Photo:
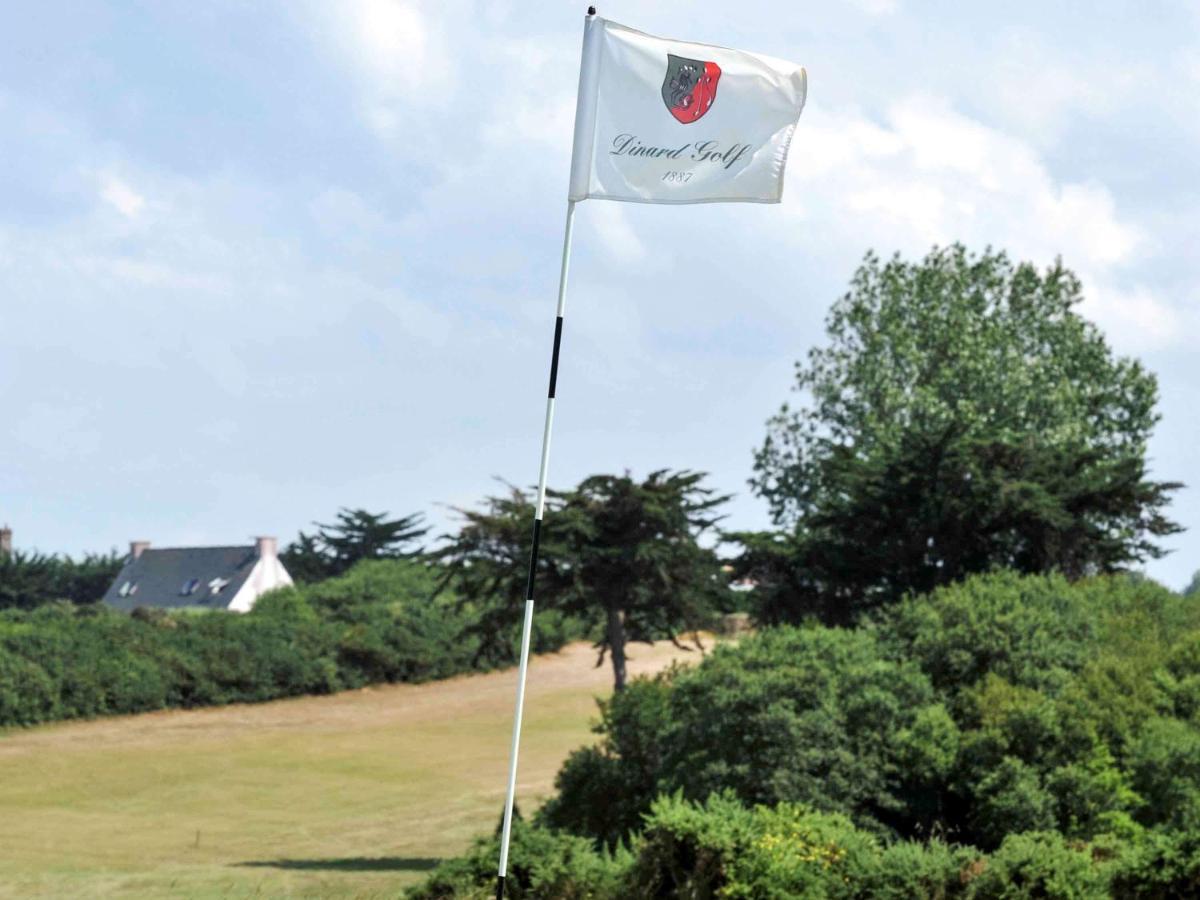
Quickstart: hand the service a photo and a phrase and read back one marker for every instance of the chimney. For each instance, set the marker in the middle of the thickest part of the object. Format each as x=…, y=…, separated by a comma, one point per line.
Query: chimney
x=137, y=548
x=5, y=542
x=267, y=547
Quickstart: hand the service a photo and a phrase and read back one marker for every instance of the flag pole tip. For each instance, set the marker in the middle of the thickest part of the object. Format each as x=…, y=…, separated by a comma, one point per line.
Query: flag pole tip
x=591, y=10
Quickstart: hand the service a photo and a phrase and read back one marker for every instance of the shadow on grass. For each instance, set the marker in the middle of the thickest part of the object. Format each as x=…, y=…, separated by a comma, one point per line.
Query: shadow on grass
x=350, y=864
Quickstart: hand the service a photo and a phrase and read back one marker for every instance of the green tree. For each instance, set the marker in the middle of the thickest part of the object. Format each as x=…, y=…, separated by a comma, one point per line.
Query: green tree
x=305, y=559
x=86, y=580
x=817, y=715
x=356, y=535
x=622, y=555
x=962, y=417
x=28, y=580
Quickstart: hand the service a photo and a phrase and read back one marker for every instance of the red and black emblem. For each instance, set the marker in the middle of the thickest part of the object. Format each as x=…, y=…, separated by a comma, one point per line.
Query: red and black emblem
x=690, y=87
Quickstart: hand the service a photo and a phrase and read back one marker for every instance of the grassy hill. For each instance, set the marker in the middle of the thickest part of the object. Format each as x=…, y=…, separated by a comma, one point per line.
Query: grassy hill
x=353, y=795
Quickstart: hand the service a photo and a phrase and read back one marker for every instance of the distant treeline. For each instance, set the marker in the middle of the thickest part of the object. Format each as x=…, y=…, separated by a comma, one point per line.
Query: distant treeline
x=28, y=580
x=380, y=622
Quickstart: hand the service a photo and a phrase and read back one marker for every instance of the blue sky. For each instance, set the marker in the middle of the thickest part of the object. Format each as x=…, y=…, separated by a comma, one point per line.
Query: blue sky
x=259, y=261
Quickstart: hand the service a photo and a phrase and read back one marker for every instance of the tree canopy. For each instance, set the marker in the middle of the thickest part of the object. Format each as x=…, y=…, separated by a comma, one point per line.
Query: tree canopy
x=963, y=416
x=356, y=535
x=28, y=580
x=620, y=554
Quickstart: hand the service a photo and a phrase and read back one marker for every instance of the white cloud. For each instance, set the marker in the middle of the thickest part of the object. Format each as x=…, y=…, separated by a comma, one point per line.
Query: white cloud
x=397, y=44
x=397, y=51
x=1136, y=317
x=392, y=34
x=121, y=197
x=932, y=175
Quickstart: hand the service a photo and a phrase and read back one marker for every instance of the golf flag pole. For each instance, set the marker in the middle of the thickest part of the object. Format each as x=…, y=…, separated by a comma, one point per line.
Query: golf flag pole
x=543, y=472
x=637, y=138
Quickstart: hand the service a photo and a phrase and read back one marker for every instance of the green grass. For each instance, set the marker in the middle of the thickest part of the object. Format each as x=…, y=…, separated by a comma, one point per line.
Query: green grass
x=356, y=795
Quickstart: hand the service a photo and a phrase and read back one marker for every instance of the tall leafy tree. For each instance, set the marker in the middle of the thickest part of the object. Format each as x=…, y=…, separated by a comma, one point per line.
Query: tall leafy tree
x=963, y=416
x=622, y=555
x=356, y=535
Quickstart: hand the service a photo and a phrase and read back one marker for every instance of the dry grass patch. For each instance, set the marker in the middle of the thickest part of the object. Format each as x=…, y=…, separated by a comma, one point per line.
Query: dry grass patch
x=354, y=795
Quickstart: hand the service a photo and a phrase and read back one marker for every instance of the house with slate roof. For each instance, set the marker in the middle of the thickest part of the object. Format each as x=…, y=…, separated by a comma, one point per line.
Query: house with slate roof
x=229, y=578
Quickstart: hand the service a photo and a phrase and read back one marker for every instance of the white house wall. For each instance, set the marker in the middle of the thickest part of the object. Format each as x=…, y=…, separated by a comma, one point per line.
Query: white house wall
x=266, y=575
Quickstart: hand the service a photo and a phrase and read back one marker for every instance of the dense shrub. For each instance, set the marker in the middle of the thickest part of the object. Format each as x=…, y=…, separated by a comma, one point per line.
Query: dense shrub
x=378, y=623
x=1048, y=731
x=1041, y=865
x=723, y=849
x=1075, y=702
x=604, y=790
x=817, y=715
x=1160, y=865
x=546, y=864
x=935, y=870
x=27, y=694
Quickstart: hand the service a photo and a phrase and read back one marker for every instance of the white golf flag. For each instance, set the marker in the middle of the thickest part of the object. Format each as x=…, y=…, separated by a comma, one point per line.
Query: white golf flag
x=661, y=121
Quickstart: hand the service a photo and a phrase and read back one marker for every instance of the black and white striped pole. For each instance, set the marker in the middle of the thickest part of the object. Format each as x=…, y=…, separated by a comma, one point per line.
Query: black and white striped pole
x=543, y=473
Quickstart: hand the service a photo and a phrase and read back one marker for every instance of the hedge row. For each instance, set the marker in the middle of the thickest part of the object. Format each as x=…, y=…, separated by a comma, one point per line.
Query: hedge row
x=722, y=849
x=378, y=623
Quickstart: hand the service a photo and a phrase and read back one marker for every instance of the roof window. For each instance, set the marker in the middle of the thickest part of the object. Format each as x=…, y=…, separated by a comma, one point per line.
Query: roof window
x=128, y=589
x=189, y=587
